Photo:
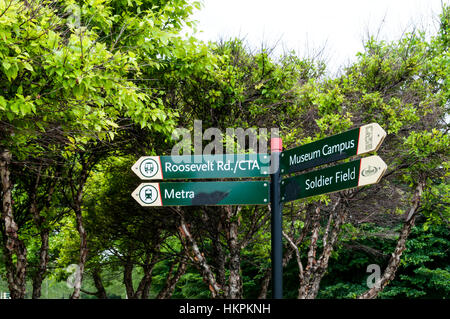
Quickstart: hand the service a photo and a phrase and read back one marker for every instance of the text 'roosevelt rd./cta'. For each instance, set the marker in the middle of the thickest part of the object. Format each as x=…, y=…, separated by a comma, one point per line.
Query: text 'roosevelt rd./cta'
x=202, y=166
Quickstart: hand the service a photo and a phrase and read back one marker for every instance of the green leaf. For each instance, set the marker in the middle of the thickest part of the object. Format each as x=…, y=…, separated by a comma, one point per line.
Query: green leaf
x=6, y=65
x=15, y=107
x=3, y=103
x=27, y=66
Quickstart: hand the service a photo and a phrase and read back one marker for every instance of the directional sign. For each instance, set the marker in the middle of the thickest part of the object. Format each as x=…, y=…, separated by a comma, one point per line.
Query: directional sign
x=202, y=166
x=364, y=171
x=202, y=193
x=358, y=141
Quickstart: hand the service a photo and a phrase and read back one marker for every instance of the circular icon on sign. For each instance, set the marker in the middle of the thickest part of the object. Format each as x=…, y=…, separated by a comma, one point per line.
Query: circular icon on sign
x=148, y=194
x=369, y=171
x=149, y=167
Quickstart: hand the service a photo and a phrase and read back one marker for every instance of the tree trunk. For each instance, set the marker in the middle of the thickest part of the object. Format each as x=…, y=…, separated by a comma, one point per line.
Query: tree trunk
x=146, y=290
x=234, y=279
x=16, y=274
x=101, y=292
x=287, y=256
x=394, y=262
x=218, y=259
x=83, y=254
x=198, y=259
x=265, y=284
x=317, y=267
x=42, y=267
x=44, y=232
x=146, y=281
x=128, y=279
x=77, y=206
x=171, y=282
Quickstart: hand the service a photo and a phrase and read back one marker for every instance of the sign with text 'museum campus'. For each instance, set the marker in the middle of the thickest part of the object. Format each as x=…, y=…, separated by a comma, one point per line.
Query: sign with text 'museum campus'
x=364, y=139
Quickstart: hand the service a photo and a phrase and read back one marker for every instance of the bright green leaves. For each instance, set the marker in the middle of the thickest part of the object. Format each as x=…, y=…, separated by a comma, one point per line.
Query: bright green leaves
x=329, y=101
x=395, y=83
x=10, y=68
x=429, y=153
x=424, y=145
x=436, y=204
x=334, y=123
x=22, y=106
x=383, y=66
x=18, y=107
x=52, y=39
x=79, y=70
x=392, y=115
x=3, y=103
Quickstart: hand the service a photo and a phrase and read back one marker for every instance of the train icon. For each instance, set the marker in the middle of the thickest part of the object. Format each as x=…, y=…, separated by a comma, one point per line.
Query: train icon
x=149, y=167
x=148, y=194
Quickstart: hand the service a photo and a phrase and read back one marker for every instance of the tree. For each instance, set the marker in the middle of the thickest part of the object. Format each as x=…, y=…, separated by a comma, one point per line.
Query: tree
x=232, y=87
x=391, y=84
x=67, y=88
x=122, y=231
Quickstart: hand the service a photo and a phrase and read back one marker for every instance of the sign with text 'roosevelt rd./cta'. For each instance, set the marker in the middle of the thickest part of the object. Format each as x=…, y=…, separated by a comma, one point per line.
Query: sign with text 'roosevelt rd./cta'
x=202, y=166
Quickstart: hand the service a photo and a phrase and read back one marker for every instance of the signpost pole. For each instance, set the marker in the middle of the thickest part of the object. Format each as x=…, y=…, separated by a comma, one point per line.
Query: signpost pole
x=276, y=211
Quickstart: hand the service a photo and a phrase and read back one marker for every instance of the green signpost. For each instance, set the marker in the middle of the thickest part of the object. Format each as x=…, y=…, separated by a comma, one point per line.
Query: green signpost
x=364, y=171
x=358, y=141
x=202, y=166
x=202, y=193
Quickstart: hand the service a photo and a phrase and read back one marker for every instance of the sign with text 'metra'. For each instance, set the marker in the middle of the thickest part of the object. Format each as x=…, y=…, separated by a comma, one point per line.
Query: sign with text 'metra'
x=203, y=193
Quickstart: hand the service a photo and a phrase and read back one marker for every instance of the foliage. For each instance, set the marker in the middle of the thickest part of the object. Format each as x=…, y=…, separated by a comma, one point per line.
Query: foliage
x=424, y=271
x=59, y=75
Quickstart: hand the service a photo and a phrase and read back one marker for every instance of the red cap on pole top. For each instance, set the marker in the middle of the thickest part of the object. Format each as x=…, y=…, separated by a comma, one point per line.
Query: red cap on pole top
x=276, y=144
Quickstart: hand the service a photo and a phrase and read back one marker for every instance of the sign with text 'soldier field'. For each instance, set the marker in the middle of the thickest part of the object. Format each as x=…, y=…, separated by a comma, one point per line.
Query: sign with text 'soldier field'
x=202, y=166
x=203, y=193
x=364, y=139
x=364, y=171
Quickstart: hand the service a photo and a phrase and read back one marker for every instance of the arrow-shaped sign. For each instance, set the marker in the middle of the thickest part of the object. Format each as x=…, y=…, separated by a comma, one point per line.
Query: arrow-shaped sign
x=364, y=139
x=364, y=171
x=202, y=193
x=202, y=166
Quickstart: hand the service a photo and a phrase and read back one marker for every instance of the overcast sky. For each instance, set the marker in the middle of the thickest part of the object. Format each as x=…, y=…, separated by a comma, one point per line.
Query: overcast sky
x=307, y=25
